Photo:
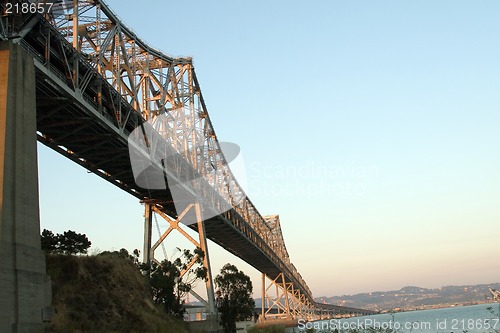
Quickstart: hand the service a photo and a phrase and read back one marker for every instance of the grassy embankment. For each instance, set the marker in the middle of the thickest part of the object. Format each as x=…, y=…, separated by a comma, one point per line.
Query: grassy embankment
x=103, y=293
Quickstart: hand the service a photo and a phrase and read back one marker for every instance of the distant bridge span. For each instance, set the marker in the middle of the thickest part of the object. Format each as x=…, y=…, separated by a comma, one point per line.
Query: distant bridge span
x=96, y=82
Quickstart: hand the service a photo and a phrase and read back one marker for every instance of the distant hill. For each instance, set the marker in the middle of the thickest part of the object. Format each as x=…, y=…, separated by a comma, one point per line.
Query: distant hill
x=412, y=298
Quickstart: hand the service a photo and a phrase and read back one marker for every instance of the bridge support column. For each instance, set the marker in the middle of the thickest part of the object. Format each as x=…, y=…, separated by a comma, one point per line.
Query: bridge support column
x=263, y=299
x=148, y=224
x=146, y=254
x=206, y=260
x=24, y=286
x=282, y=301
x=212, y=317
x=192, y=210
x=277, y=299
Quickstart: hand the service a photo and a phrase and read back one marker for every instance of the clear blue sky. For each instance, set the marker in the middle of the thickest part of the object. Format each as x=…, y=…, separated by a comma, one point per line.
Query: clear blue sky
x=370, y=127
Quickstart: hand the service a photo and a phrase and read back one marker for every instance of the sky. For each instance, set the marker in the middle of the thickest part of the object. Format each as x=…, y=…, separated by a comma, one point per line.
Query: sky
x=370, y=127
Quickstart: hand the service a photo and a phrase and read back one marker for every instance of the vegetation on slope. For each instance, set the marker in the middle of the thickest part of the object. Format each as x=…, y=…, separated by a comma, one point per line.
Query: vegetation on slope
x=104, y=293
x=114, y=292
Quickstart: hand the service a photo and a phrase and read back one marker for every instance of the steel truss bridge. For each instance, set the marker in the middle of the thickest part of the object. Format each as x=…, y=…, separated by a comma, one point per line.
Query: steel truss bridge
x=97, y=82
x=495, y=294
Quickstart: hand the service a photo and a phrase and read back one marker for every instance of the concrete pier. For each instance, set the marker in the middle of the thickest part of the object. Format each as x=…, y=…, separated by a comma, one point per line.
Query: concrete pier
x=24, y=286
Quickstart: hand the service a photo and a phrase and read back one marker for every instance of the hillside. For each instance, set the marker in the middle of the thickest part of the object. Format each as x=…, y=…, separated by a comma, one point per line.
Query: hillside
x=103, y=293
x=411, y=298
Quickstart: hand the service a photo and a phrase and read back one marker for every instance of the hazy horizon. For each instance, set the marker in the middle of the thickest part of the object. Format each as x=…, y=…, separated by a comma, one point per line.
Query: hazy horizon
x=411, y=286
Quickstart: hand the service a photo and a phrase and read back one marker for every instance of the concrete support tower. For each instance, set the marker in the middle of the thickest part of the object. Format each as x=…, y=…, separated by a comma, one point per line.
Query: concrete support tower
x=24, y=286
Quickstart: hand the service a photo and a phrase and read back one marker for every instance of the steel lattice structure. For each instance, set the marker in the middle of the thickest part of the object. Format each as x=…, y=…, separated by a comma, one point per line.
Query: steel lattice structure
x=495, y=294
x=97, y=81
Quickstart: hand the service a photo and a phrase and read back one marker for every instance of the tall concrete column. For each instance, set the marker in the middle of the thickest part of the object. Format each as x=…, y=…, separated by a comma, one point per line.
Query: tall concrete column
x=24, y=286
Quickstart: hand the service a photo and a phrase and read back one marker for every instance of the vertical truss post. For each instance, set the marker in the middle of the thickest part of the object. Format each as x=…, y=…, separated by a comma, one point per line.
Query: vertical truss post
x=263, y=314
x=285, y=295
x=75, y=43
x=175, y=224
x=278, y=301
x=148, y=223
x=75, y=24
x=206, y=259
x=282, y=297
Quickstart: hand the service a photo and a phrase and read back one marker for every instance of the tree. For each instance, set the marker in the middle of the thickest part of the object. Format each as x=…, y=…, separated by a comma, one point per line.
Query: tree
x=49, y=241
x=72, y=243
x=67, y=243
x=168, y=287
x=233, y=296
